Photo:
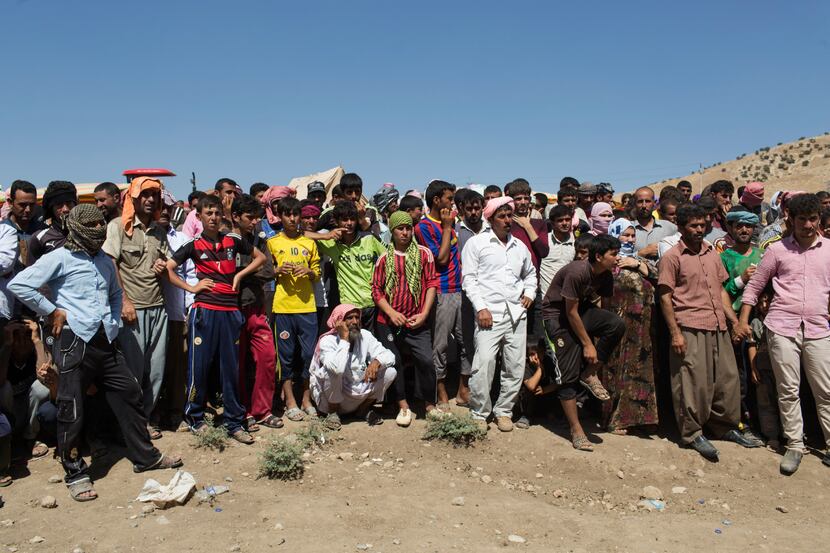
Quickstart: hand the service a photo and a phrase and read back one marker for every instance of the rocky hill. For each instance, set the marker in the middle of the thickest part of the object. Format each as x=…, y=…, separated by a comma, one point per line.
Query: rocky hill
x=803, y=164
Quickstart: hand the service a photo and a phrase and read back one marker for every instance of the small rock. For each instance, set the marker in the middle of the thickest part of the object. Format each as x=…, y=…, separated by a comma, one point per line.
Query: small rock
x=163, y=520
x=279, y=526
x=620, y=474
x=364, y=455
x=55, y=479
x=12, y=549
x=515, y=538
x=388, y=464
x=458, y=501
x=782, y=509
x=7, y=522
x=396, y=541
x=558, y=493
x=235, y=547
x=725, y=507
x=699, y=473
x=228, y=479
x=486, y=479
x=48, y=502
x=148, y=509
x=37, y=539
x=345, y=456
x=539, y=475
x=672, y=467
x=650, y=492
x=366, y=464
x=678, y=490
x=245, y=474
x=364, y=546
x=77, y=550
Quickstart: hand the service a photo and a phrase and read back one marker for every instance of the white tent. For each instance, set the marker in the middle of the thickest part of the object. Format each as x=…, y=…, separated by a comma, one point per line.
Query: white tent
x=330, y=178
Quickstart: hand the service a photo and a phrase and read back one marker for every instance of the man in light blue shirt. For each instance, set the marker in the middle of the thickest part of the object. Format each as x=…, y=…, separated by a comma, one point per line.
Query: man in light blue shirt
x=84, y=320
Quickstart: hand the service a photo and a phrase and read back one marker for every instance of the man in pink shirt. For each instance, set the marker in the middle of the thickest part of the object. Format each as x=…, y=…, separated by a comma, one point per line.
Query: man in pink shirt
x=797, y=321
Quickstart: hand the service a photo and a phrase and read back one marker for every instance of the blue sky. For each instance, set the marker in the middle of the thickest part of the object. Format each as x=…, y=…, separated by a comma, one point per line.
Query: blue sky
x=625, y=92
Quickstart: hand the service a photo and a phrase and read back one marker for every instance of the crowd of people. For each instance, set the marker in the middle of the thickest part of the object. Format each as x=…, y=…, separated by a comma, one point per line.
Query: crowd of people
x=143, y=314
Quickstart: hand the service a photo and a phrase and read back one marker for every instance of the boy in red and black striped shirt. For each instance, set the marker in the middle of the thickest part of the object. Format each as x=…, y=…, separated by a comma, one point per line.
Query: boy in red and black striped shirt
x=214, y=321
x=404, y=285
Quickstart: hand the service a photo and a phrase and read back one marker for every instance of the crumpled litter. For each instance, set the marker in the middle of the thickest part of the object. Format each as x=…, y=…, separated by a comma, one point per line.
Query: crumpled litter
x=177, y=492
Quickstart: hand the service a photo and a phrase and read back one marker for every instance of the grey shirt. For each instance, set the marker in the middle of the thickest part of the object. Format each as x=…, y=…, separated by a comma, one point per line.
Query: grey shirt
x=659, y=229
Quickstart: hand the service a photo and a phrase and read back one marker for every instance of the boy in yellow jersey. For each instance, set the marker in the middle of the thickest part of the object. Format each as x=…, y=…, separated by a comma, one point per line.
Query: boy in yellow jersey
x=297, y=268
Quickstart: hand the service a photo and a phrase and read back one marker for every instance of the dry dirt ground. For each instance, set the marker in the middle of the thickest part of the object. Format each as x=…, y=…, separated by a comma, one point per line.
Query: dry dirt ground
x=398, y=493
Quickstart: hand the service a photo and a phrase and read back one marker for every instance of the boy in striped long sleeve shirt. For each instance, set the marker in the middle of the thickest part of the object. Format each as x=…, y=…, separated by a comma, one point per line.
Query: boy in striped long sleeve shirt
x=404, y=286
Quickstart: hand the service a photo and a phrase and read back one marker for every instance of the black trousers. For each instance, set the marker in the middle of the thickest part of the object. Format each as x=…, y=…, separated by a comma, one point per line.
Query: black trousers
x=97, y=362
x=417, y=346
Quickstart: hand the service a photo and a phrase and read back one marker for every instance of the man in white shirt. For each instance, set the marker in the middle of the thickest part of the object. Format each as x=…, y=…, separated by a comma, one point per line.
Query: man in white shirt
x=350, y=370
x=500, y=281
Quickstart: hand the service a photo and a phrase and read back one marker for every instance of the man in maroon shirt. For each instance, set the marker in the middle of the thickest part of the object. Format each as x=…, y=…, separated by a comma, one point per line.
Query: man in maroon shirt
x=704, y=375
x=533, y=233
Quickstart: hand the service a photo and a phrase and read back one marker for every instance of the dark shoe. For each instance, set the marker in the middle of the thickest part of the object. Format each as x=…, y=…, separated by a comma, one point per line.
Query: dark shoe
x=790, y=462
x=753, y=437
x=826, y=459
x=705, y=448
x=741, y=439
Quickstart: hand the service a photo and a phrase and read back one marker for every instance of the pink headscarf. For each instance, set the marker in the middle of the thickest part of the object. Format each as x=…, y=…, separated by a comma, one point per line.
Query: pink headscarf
x=272, y=194
x=493, y=204
x=310, y=211
x=600, y=224
x=753, y=194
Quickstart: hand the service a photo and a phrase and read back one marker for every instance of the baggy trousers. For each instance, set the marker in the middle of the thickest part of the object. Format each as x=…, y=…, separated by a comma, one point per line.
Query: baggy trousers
x=417, y=343
x=79, y=365
x=329, y=388
x=510, y=337
x=144, y=345
x=256, y=338
x=704, y=382
x=213, y=333
x=446, y=326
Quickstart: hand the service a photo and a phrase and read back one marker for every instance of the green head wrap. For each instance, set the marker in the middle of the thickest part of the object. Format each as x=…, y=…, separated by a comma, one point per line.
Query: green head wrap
x=412, y=263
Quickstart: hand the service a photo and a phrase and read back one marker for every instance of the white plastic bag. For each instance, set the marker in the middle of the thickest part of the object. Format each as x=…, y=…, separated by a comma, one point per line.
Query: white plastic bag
x=176, y=492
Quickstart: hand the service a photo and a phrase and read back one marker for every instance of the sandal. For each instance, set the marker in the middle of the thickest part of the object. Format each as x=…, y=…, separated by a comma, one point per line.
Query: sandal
x=332, y=422
x=242, y=437
x=251, y=425
x=164, y=463
x=83, y=486
x=373, y=418
x=310, y=411
x=593, y=385
x=523, y=423
x=155, y=433
x=295, y=414
x=271, y=421
x=39, y=449
x=6, y=480
x=581, y=443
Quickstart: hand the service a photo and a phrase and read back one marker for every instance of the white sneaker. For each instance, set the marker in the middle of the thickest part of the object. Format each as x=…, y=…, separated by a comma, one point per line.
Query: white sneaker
x=404, y=417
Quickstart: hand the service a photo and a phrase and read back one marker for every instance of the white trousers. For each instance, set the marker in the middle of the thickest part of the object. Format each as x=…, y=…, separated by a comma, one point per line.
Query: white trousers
x=511, y=338
x=331, y=388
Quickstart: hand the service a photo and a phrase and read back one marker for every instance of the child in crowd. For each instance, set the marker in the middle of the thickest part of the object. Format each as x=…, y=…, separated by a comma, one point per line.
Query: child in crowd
x=412, y=205
x=762, y=375
x=214, y=320
x=404, y=286
x=297, y=266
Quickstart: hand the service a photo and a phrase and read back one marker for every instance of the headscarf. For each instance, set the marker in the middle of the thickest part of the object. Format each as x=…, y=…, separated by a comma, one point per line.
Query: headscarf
x=137, y=186
x=493, y=205
x=600, y=224
x=385, y=196
x=616, y=229
x=745, y=217
x=753, y=194
x=310, y=210
x=412, y=261
x=83, y=238
x=271, y=195
x=58, y=192
x=167, y=198
x=337, y=315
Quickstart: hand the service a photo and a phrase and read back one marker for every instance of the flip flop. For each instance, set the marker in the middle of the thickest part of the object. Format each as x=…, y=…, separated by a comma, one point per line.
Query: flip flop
x=39, y=449
x=82, y=486
x=310, y=411
x=155, y=433
x=373, y=418
x=332, y=422
x=251, y=425
x=6, y=480
x=295, y=414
